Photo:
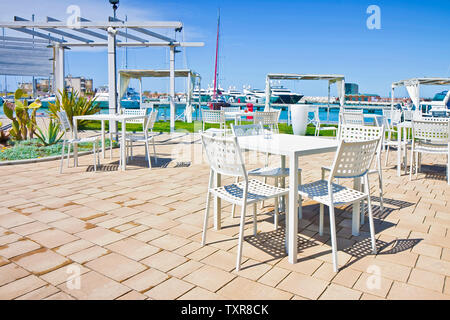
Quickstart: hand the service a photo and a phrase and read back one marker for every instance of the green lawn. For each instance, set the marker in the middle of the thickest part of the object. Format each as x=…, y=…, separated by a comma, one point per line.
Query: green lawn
x=161, y=126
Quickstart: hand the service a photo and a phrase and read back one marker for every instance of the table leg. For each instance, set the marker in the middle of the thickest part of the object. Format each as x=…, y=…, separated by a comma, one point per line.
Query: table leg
x=405, y=153
x=292, y=218
x=217, y=204
x=103, y=139
x=75, y=146
x=356, y=209
x=123, y=147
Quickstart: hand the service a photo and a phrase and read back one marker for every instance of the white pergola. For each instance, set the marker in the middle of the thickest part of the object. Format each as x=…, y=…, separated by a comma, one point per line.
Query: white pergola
x=111, y=34
x=331, y=78
x=126, y=75
x=413, y=88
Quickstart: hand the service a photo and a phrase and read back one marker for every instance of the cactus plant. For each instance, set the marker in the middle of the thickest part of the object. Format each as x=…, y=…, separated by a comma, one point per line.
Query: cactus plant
x=23, y=123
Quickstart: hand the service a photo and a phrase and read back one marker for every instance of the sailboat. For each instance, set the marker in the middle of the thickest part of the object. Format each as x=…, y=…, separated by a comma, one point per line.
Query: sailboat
x=218, y=101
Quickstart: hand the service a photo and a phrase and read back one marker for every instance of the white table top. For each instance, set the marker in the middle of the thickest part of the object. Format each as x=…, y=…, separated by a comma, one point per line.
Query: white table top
x=112, y=117
x=288, y=145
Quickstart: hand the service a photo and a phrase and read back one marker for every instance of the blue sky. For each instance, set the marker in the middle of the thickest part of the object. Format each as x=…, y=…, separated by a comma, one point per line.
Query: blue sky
x=263, y=36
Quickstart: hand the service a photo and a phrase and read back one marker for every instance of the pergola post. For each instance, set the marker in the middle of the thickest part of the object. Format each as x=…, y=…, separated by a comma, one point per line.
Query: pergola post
x=268, y=94
x=140, y=93
x=172, y=88
x=112, y=76
x=59, y=69
x=188, y=111
x=392, y=99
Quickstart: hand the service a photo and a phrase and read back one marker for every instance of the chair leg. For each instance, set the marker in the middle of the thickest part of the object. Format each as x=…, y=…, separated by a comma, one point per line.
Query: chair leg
x=95, y=154
x=148, y=155
x=371, y=225
x=205, y=221
x=333, y=238
x=233, y=207
x=62, y=157
x=387, y=156
x=321, y=220
x=255, y=221
x=241, y=235
x=110, y=145
x=68, y=154
x=276, y=214
x=154, y=150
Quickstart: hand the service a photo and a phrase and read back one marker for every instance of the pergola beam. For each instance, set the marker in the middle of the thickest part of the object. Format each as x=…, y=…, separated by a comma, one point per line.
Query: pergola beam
x=94, y=25
x=147, y=32
x=137, y=44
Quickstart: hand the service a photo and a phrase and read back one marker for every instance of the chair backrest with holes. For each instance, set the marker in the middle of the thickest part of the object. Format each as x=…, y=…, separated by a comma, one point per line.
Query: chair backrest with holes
x=213, y=116
x=151, y=119
x=352, y=118
x=231, y=109
x=431, y=130
x=64, y=121
x=353, y=159
x=224, y=155
x=267, y=119
x=247, y=130
x=351, y=133
x=135, y=112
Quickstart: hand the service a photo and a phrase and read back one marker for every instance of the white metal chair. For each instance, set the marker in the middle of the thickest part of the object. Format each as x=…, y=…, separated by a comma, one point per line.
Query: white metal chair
x=144, y=137
x=430, y=136
x=353, y=117
x=224, y=156
x=352, y=160
x=268, y=119
x=316, y=122
x=355, y=133
x=65, y=125
x=265, y=172
x=230, y=112
x=214, y=117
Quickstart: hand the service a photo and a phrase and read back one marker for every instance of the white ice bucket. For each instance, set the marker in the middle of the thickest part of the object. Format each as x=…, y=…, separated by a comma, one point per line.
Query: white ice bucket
x=299, y=118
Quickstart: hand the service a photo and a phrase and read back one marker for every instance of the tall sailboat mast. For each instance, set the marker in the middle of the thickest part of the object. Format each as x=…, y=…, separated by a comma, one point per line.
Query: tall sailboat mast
x=217, y=55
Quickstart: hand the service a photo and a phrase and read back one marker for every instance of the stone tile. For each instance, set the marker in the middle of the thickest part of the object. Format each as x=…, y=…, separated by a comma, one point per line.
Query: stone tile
x=169, y=290
x=434, y=265
x=370, y=283
x=184, y=269
x=20, y=287
x=100, y=236
x=30, y=228
x=15, y=219
x=169, y=242
x=60, y=296
x=347, y=277
x=52, y=238
x=157, y=222
x=244, y=289
x=403, y=291
x=133, y=249
x=116, y=266
x=72, y=247
x=303, y=285
x=64, y=274
x=164, y=261
x=11, y=272
x=41, y=261
x=41, y=293
x=132, y=295
x=88, y=254
x=94, y=286
x=426, y=279
x=200, y=294
x=17, y=248
x=209, y=278
x=338, y=292
x=71, y=225
x=149, y=235
x=274, y=276
x=223, y=260
x=146, y=280
x=252, y=269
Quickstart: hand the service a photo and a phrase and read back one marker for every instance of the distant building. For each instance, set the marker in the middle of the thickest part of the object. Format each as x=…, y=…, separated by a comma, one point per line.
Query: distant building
x=351, y=88
x=80, y=84
x=369, y=97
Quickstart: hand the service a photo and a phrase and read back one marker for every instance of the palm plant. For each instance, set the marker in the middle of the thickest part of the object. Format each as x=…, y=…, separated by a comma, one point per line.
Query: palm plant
x=50, y=136
x=74, y=105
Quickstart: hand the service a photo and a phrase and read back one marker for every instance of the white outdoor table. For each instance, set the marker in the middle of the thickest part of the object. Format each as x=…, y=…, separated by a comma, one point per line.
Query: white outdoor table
x=105, y=117
x=293, y=147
